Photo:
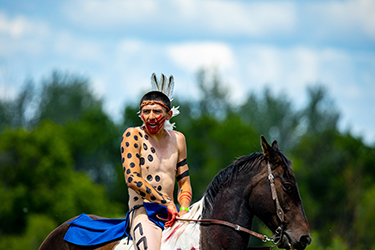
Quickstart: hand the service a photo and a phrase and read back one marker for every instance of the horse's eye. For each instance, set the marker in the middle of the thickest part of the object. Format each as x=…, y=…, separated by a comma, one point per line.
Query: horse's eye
x=288, y=187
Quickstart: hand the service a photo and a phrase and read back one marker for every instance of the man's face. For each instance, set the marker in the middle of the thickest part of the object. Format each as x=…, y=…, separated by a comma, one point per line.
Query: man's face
x=154, y=117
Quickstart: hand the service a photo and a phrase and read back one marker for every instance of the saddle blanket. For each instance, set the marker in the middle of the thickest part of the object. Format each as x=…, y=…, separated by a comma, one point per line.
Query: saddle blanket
x=85, y=231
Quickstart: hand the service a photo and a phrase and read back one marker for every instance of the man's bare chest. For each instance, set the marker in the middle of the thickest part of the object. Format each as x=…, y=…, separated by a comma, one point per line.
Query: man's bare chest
x=158, y=157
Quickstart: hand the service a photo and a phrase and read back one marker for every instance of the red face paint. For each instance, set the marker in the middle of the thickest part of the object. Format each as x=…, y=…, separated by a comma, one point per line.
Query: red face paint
x=154, y=125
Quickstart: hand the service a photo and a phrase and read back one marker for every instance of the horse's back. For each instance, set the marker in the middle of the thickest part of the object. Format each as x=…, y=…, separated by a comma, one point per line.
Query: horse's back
x=55, y=240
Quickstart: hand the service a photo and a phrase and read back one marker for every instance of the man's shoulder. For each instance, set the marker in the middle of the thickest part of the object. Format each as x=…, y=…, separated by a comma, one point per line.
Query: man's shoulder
x=179, y=135
x=132, y=130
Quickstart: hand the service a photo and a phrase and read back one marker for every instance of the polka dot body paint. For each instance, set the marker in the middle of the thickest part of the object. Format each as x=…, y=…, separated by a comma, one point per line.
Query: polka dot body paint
x=149, y=167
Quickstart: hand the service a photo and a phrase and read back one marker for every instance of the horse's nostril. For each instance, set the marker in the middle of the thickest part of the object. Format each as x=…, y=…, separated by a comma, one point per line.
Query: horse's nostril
x=305, y=240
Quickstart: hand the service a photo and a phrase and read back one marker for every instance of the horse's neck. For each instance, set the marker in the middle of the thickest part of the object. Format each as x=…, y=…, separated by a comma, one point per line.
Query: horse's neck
x=231, y=204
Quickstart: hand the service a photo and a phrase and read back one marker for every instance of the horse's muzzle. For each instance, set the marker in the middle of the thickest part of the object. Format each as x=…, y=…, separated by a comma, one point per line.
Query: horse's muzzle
x=287, y=243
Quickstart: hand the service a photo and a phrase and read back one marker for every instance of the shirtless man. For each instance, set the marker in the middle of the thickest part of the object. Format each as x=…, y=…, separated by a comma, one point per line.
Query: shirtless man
x=153, y=158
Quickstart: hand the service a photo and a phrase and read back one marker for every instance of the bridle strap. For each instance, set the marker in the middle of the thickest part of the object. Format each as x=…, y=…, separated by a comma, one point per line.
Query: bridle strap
x=279, y=210
x=228, y=224
x=221, y=222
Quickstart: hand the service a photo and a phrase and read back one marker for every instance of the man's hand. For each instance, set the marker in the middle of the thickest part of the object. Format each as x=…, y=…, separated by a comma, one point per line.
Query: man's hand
x=172, y=214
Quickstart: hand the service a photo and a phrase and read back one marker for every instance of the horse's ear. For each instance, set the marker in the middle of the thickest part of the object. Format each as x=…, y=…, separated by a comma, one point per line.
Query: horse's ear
x=275, y=145
x=268, y=151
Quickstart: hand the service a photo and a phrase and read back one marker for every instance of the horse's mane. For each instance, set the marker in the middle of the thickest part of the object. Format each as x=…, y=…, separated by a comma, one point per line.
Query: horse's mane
x=223, y=178
x=245, y=163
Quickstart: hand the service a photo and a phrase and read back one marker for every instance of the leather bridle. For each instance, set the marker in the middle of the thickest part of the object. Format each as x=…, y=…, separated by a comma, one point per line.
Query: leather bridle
x=275, y=239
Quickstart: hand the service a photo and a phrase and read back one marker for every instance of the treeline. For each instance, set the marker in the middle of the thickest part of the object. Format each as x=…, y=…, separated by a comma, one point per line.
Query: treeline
x=59, y=157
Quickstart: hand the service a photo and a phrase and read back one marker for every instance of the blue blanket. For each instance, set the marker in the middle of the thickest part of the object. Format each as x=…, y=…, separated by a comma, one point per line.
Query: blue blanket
x=85, y=231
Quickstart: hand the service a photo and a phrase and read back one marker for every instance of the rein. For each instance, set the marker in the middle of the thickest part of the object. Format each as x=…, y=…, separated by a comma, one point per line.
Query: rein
x=275, y=239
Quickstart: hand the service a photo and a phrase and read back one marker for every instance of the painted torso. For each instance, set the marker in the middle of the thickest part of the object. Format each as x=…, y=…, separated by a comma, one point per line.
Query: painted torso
x=157, y=161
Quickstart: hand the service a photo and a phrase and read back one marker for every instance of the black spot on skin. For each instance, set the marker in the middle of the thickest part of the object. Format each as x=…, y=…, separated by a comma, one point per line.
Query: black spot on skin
x=139, y=184
x=137, y=155
x=150, y=158
x=129, y=155
x=127, y=144
x=145, y=146
x=163, y=201
x=142, y=161
x=148, y=190
x=136, y=138
x=142, y=194
x=128, y=171
x=127, y=134
x=135, y=198
x=146, y=137
x=149, y=177
x=159, y=188
x=157, y=178
x=153, y=150
x=124, y=169
x=140, y=134
x=130, y=179
x=123, y=159
x=153, y=198
x=137, y=174
x=135, y=145
x=132, y=165
x=122, y=150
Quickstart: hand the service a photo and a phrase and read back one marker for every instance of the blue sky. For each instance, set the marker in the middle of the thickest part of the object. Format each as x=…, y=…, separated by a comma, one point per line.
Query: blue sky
x=117, y=44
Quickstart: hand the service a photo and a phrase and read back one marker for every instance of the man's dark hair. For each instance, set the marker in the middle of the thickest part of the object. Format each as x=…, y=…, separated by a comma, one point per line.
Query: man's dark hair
x=156, y=96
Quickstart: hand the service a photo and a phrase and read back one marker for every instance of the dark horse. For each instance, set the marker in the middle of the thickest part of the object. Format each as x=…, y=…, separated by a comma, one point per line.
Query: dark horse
x=259, y=184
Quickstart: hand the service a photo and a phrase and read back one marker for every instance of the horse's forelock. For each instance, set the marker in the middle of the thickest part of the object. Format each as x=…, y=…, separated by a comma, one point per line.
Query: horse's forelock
x=286, y=165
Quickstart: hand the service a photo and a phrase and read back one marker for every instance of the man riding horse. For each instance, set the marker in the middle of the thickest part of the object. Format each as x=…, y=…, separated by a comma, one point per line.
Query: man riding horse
x=153, y=157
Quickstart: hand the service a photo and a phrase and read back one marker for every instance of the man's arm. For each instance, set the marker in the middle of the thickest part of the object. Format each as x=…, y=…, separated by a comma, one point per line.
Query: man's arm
x=130, y=152
x=182, y=176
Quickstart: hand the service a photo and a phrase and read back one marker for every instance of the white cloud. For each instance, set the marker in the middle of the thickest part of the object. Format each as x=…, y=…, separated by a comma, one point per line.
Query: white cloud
x=71, y=45
x=192, y=56
x=186, y=16
x=22, y=35
x=345, y=18
x=291, y=70
x=21, y=26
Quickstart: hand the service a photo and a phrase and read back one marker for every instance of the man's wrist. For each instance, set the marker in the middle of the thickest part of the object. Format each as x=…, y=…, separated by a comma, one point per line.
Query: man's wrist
x=185, y=209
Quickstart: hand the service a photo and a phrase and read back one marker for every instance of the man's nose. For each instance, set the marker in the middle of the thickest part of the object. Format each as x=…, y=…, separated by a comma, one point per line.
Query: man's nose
x=152, y=115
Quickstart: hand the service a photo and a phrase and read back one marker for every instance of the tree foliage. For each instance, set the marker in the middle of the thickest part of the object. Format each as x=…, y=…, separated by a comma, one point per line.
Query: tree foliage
x=37, y=177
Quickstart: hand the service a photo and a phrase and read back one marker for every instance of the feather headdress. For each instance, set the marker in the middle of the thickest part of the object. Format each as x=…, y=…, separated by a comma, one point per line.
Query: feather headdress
x=166, y=86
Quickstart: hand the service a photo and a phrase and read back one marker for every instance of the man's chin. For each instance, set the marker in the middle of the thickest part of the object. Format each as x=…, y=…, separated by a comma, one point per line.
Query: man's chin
x=153, y=129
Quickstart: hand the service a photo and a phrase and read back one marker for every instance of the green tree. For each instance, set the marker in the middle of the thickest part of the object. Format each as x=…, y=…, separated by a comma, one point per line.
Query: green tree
x=18, y=112
x=273, y=116
x=320, y=114
x=334, y=171
x=213, y=100
x=37, y=177
x=65, y=98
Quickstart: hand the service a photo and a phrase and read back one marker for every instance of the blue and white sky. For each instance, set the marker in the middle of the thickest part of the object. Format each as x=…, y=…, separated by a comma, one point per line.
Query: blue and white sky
x=117, y=44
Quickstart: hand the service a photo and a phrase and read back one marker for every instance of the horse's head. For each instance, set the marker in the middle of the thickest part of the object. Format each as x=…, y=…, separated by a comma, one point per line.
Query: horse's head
x=281, y=208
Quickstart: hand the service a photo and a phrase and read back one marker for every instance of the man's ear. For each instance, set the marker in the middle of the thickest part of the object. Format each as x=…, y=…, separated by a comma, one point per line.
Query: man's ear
x=169, y=115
